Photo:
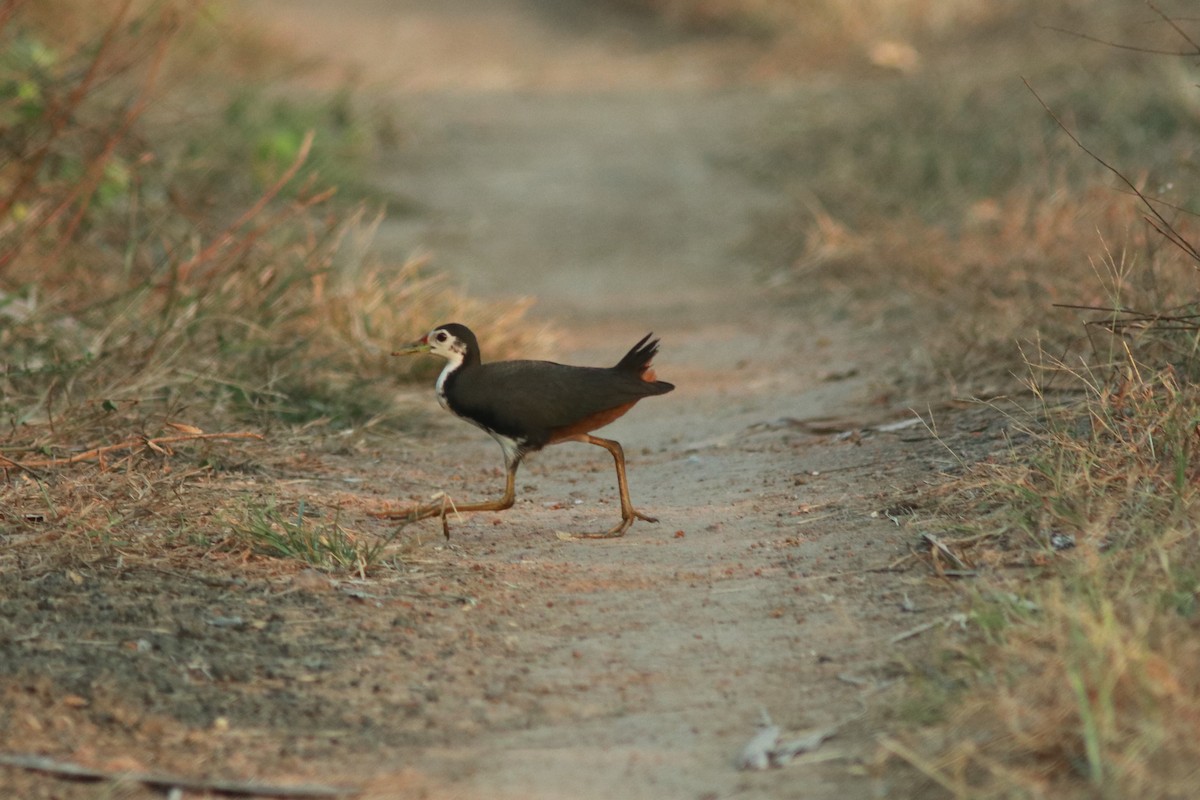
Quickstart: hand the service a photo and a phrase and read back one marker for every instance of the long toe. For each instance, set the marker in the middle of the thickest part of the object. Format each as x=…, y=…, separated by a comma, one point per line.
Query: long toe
x=394, y=513
x=409, y=513
x=612, y=533
x=643, y=517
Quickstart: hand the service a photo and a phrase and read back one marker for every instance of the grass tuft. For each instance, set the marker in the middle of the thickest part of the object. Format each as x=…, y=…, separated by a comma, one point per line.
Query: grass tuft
x=330, y=546
x=168, y=253
x=1088, y=687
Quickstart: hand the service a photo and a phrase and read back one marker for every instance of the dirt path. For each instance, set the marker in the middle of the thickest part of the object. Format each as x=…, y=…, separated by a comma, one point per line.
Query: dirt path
x=578, y=158
x=560, y=151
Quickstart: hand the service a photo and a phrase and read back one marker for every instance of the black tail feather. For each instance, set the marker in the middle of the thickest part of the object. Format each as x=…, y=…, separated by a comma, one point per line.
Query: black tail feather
x=639, y=356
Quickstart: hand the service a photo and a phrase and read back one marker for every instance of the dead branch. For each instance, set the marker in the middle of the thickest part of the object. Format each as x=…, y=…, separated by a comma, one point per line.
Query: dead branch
x=937, y=546
x=7, y=463
x=8, y=10
x=767, y=748
x=1161, y=321
x=1155, y=218
x=60, y=115
x=225, y=237
x=86, y=189
x=1118, y=45
x=68, y=769
x=756, y=754
x=158, y=444
x=1167, y=18
x=957, y=618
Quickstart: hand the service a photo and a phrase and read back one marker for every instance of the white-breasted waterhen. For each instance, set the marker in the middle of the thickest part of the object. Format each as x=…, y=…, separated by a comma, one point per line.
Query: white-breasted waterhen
x=527, y=405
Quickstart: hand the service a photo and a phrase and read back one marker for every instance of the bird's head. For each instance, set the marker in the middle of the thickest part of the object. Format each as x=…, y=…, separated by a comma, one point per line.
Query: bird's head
x=452, y=341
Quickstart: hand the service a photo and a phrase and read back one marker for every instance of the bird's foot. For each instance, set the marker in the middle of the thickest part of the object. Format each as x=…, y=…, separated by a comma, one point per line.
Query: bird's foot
x=405, y=512
x=616, y=531
x=442, y=507
x=408, y=513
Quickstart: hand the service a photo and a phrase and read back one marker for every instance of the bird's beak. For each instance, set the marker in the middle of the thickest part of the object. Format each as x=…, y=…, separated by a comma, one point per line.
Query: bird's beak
x=419, y=346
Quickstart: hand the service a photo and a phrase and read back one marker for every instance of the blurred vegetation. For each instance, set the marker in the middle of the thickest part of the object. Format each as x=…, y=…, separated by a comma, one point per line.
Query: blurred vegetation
x=170, y=249
x=937, y=196
x=169, y=235
x=947, y=199
x=179, y=257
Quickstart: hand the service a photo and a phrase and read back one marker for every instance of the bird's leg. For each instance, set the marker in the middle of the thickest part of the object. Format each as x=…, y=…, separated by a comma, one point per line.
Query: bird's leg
x=505, y=501
x=446, y=506
x=628, y=512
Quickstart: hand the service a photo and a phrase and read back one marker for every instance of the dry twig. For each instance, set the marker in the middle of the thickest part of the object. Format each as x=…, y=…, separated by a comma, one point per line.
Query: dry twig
x=227, y=236
x=1134, y=318
x=1154, y=218
x=767, y=748
x=67, y=769
x=937, y=546
x=159, y=444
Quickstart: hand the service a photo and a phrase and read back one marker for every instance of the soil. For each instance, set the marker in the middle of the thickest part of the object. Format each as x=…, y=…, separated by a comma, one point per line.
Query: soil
x=597, y=162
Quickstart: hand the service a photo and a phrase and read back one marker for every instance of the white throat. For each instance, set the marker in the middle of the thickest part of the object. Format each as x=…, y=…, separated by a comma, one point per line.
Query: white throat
x=454, y=360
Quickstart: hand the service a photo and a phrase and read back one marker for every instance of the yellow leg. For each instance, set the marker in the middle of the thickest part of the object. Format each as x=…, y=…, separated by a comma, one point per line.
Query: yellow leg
x=446, y=506
x=628, y=512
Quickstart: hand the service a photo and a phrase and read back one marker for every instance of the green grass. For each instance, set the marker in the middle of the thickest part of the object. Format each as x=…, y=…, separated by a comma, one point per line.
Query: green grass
x=269, y=531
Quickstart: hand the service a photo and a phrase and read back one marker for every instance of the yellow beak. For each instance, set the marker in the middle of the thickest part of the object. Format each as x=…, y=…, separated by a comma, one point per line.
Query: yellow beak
x=419, y=346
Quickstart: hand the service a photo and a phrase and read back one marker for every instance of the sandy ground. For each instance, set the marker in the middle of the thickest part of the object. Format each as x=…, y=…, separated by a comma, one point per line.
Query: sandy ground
x=596, y=163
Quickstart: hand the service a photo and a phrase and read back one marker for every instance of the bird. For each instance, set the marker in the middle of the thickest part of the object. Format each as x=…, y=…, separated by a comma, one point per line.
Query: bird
x=528, y=405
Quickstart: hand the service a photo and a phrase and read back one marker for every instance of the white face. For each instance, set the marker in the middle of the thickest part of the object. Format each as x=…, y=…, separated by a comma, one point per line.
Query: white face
x=445, y=344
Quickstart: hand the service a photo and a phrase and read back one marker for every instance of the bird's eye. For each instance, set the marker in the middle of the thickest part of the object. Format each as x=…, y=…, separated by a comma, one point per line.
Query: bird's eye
x=441, y=336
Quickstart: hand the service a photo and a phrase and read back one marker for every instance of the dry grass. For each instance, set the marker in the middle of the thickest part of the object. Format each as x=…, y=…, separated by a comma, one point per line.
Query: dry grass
x=900, y=36
x=983, y=294
x=949, y=203
x=171, y=265
x=828, y=20
x=143, y=297
x=1082, y=681
x=946, y=203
